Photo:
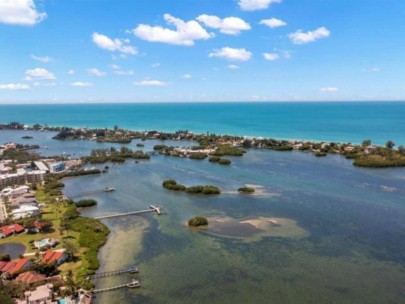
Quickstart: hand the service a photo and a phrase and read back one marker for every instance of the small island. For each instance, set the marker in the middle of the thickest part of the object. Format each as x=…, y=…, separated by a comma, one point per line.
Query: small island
x=246, y=190
x=171, y=184
x=27, y=137
x=198, y=221
x=86, y=203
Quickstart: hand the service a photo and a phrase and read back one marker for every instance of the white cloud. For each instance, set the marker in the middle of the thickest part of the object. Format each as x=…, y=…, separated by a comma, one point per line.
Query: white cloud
x=300, y=37
x=96, y=72
x=273, y=22
x=81, y=84
x=371, y=70
x=271, y=56
x=39, y=74
x=233, y=67
x=230, y=25
x=115, y=67
x=124, y=73
x=253, y=5
x=232, y=54
x=20, y=12
x=155, y=65
x=71, y=72
x=184, y=34
x=186, y=76
x=329, y=90
x=151, y=83
x=114, y=45
x=44, y=84
x=44, y=59
x=14, y=86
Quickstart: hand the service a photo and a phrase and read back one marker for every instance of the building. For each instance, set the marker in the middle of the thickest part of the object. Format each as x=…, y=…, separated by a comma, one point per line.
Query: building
x=30, y=277
x=41, y=166
x=370, y=149
x=8, y=269
x=56, y=257
x=58, y=167
x=21, y=177
x=11, y=229
x=42, y=294
x=25, y=211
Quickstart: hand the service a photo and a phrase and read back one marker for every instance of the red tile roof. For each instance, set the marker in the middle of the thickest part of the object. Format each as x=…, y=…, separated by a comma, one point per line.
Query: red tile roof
x=10, y=229
x=30, y=277
x=20, y=265
x=52, y=256
x=8, y=266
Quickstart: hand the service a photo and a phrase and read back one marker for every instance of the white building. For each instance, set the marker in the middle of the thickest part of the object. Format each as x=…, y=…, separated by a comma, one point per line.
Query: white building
x=25, y=211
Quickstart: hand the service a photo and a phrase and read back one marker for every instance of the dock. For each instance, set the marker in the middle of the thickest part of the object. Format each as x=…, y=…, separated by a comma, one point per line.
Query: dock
x=131, y=269
x=152, y=208
x=91, y=192
x=132, y=284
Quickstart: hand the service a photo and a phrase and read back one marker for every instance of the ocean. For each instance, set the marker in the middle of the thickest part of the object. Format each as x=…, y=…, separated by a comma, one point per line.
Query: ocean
x=329, y=121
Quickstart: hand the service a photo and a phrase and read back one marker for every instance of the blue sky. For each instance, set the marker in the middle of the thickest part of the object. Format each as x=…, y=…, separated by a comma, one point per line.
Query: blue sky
x=58, y=51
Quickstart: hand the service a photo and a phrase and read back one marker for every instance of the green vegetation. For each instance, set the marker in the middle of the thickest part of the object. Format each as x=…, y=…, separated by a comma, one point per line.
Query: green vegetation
x=246, y=190
x=86, y=203
x=198, y=156
x=100, y=156
x=27, y=137
x=160, y=147
x=171, y=184
x=224, y=161
x=229, y=151
x=378, y=161
x=198, y=221
x=214, y=159
x=206, y=190
x=320, y=154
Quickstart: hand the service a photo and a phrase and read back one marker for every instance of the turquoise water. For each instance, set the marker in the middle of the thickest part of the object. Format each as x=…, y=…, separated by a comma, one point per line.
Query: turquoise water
x=341, y=122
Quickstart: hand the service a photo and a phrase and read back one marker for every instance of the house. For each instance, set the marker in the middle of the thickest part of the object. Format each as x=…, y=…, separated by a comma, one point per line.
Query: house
x=20, y=265
x=370, y=149
x=349, y=148
x=7, y=267
x=11, y=229
x=56, y=257
x=41, y=294
x=58, y=167
x=30, y=277
x=25, y=211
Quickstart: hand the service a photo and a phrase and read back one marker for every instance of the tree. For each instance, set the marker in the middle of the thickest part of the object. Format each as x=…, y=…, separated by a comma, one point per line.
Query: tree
x=71, y=284
x=5, y=258
x=401, y=149
x=390, y=144
x=8, y=291
x=71, y=249
x=366, y=142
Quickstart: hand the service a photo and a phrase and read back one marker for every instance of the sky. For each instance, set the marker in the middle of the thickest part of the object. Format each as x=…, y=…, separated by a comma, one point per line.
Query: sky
x=85, y=51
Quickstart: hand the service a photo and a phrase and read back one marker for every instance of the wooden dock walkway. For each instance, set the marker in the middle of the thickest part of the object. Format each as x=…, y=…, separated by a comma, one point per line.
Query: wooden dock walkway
x=131, y=269
x=152, y=208
x=91, y=192
x=132, y=284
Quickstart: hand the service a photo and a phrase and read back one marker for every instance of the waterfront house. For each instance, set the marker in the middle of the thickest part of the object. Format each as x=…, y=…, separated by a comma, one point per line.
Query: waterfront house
x=56, y=257
x=349, y=148
x=370, y=149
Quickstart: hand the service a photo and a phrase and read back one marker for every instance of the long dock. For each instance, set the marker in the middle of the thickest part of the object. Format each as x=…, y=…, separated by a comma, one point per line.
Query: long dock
x=91, y=192
x=132, y=284
x=131, y=269
x=152, y=208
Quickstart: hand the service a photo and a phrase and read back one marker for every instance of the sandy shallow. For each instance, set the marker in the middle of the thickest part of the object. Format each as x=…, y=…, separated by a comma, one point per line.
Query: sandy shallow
x=254, y=228
x=260, y=191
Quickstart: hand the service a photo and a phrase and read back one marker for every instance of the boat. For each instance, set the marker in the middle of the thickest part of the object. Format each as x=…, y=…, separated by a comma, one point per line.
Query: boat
x=134, y=284
x=133, y=269
x=109, y=189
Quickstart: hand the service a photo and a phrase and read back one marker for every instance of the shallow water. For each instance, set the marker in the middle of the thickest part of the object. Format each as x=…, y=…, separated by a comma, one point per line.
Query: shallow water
x=354, y=251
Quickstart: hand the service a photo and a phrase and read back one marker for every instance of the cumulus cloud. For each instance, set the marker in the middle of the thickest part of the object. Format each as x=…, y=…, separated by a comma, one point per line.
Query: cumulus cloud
x=232, y=54
x=273, y=22
x=20, y=12
x=300, y=37
x=39, y=74
x=44, y=59
x=233, y=67
x=14, y=86
x=271, y=56
x=114, y=45
x=185, y=33
x=186, y=76
x=81, y=84
x=229, y=25
x=329, y=90
x=96, y=72
x=253, y=5
x=155, y=65
x=71, y=72
x=150, y=83
x=124, y=73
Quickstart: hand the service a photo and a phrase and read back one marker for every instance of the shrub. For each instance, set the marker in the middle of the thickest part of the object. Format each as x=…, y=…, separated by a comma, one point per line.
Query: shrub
x=198, y=155
x=214, y=159
x=86, y=203
x=198, y=221
x=247, y=190
x=224, y=161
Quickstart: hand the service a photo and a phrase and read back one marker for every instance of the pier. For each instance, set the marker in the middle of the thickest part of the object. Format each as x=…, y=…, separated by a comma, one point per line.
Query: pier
x=91, y=192
x=152, y=208
x=133, y=284
x=131, y=269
